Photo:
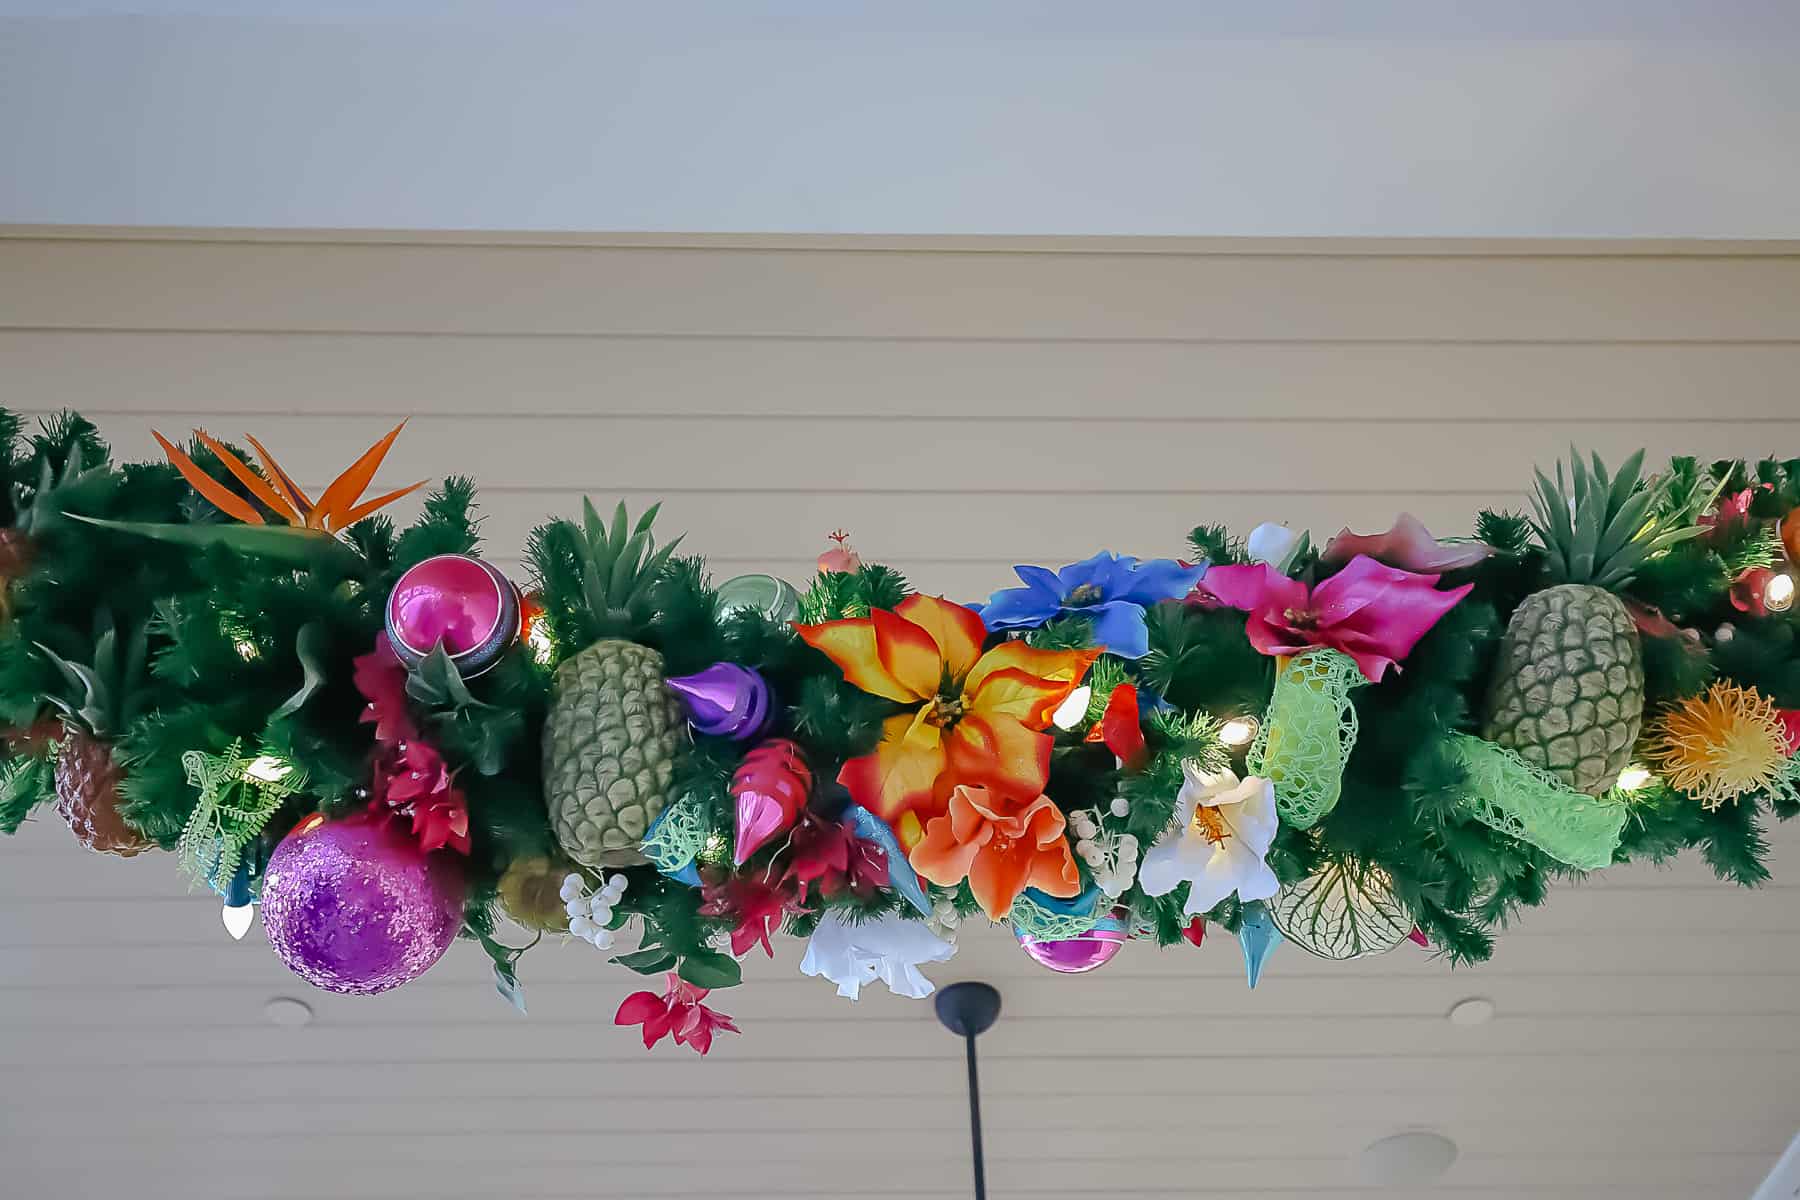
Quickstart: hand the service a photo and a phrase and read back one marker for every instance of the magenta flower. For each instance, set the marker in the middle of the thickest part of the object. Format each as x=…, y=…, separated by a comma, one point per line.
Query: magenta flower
x=1408, y=545
x=678, y=1011
x=1372, y=613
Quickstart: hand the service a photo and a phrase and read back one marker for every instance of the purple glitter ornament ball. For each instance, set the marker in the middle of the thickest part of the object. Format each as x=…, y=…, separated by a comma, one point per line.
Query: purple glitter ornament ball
x=1083, y=952
x=725, y=700
x=354, y=906
x=460, y=601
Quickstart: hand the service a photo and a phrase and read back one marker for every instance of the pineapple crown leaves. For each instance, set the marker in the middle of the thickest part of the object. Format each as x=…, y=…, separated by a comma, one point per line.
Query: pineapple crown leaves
x=1597, y=528
x=103, y=695
x=598, y=579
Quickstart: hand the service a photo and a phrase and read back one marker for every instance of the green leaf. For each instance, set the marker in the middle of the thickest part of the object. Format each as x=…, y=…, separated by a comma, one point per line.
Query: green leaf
x=653, y=961
x=436, y=681
x=310, y=549
x=310, y=646
x=710, y=969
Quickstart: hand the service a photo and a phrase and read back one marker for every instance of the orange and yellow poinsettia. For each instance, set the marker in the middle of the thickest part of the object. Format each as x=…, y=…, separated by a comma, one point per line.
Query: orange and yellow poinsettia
x=1001, y=846
x=974, y=718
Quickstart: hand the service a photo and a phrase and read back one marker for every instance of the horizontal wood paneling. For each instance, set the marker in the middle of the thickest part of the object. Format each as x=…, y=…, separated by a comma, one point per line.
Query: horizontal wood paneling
x=548, y=290
x=959, y=407
x=258, y=374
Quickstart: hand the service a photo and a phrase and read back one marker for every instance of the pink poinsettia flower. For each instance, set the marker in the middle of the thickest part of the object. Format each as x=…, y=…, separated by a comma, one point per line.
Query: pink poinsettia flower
x=1408, y=546
x=677, y=1012
x=1372, y=613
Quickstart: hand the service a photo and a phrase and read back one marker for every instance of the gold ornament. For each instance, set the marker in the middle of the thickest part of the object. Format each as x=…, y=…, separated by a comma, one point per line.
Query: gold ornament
x=530, y=892
x=1718, y=746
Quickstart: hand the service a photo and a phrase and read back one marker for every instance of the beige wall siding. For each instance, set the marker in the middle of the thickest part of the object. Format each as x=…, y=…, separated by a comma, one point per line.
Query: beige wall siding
x=959, y=405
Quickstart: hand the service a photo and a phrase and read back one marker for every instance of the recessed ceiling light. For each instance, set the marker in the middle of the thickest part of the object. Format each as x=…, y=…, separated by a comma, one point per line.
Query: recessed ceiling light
x=1408, y=1158
x=288, y=1012
x=1476, y=1010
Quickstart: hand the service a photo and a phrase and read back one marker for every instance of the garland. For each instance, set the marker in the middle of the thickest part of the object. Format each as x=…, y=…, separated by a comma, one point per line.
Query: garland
x=384, y=743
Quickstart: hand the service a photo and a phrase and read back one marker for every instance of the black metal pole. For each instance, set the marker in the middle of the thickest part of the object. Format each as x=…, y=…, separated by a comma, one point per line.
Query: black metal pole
x=975, y=1120
x=968, y=1010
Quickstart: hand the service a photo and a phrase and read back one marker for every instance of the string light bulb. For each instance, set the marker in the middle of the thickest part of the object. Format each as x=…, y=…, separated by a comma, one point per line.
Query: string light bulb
x=1633, y=778
x=1073, y=711
x=267, y=769
x=1238, y=732
x=238, y=918
x=1778, y=592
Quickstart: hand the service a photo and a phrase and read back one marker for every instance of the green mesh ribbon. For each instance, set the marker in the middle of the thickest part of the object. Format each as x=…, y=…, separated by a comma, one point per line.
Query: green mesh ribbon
x=679, y=834
x=1307, y=734
x=1032, y=919
x=1787, y=785
x=1517, y=798
x=238, y=796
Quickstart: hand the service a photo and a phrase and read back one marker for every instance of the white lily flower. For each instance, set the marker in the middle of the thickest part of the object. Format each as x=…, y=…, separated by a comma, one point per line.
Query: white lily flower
x=1273, y=544
x=1218, y=842
x=888, y=948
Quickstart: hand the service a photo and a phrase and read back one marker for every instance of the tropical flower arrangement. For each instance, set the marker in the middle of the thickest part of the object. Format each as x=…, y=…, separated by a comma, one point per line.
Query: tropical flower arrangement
x=378, y=742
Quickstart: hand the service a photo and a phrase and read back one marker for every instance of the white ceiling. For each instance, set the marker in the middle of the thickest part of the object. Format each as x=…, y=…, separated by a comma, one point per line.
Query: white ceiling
x=1541, y=119
x=960, y=406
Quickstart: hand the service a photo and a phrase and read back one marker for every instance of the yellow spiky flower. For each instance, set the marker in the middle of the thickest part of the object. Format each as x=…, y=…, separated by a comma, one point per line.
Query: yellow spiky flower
x=1725, y=743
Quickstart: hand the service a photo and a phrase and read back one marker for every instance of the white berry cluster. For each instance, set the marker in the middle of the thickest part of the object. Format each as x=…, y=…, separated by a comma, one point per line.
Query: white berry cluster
x=589, y=915
x=1112, y=859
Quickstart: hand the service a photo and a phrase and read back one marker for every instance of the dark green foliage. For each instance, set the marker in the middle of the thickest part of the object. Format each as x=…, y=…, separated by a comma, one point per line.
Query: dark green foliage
x=1218, y=545
x=835, y=595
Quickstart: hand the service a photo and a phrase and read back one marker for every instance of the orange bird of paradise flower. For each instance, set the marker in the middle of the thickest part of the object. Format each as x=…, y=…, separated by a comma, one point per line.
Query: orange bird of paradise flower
x=336, y=510
x=975, y=719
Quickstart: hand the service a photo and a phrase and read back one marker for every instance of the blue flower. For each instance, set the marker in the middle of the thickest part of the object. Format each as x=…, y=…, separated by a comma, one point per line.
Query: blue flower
x=1110, y=590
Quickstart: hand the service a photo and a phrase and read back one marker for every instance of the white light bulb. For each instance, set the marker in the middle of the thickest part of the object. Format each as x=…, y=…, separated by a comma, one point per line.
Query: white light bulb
x=1778, y=593
x=248, y=651
x=267, y=768
x=238, y=919
x=542, y=648
x=1073, y=711
x=1633, y=777
x=1239, y=731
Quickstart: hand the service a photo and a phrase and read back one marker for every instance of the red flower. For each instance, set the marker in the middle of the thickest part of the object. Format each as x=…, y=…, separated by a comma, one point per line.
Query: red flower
x=1121, y=728
x=756, y=906
x=408, y=777
x=835, y=858
x=412, y=778
x=381, y=677
x=677, y=1011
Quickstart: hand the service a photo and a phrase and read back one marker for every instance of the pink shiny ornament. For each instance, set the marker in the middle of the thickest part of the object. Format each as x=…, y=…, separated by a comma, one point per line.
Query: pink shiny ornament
x=769, y=789
x=460, y=601
x=355, y=907
x=1081, y=953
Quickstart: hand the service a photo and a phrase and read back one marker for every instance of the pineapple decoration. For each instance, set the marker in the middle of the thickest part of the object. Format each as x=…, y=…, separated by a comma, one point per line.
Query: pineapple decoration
x=1568, y=693
x=614, y=727
x=98, y=699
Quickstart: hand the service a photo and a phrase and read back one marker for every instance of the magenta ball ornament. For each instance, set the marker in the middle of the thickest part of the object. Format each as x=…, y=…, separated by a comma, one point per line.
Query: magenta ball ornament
x=355, y=907
x=1078, y=954
x=460, y=601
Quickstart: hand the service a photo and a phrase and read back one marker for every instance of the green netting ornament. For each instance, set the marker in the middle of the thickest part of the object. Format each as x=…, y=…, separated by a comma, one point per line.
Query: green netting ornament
x=1307, y=734
x=1511, y=795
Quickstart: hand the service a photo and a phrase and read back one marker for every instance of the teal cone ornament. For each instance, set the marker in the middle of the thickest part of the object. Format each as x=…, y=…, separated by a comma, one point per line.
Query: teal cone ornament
x=1258, y=936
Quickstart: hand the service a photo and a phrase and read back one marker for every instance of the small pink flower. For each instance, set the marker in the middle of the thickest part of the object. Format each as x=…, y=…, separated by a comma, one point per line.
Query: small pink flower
x=678, y=1012
x=1372, y=613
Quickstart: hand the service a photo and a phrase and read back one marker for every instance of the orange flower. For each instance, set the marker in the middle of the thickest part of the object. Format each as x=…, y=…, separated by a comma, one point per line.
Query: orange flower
x=1001, y=846
x=975, y=718
x=337, y=507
